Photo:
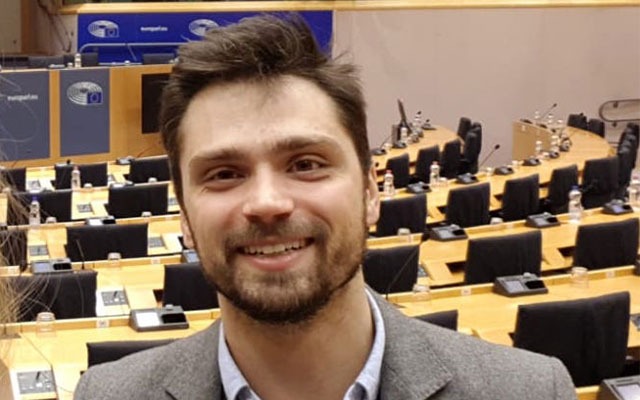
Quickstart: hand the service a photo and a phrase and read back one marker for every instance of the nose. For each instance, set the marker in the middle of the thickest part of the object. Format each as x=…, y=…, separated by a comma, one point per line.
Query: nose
x=268, y=199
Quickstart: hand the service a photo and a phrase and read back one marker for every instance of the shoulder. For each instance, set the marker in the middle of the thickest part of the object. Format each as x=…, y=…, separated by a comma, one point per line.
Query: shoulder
x=147, y=374
x=471, y=367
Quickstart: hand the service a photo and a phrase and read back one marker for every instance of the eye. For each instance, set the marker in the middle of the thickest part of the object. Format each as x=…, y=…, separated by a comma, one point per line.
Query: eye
x=222, y=177
x=305, y=165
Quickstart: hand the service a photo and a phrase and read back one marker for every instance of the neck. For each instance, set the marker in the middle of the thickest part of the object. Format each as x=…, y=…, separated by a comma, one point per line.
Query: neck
x=317, y=359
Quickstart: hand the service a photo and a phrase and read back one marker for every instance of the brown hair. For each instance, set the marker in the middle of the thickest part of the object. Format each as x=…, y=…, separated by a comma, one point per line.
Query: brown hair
x=260, y=49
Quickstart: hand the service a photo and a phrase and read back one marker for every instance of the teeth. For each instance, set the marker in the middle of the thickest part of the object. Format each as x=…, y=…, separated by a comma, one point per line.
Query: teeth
x=273, y=249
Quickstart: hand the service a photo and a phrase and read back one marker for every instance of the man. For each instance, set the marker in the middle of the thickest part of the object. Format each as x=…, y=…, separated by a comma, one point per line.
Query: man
x=269, y=155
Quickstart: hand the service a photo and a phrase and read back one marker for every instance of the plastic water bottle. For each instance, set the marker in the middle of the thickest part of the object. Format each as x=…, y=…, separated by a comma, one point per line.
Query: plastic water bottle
x=538, y=149
x=387, y=187
x=34, y=212
x=404, y=133
x=416, y=125
x=536, y=117
x=633, y=191
x=77, y=61
x=434, y=173
x=76, y=182
x=575, y=205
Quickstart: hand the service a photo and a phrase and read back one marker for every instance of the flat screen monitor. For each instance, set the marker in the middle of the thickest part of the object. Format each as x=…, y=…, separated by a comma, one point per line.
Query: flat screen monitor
x=132, y=201
x=152, y=85
x=90, y=243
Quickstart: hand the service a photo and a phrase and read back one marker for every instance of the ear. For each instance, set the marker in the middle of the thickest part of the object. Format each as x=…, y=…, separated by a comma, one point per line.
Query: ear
x=186, y=230
x=372, y=197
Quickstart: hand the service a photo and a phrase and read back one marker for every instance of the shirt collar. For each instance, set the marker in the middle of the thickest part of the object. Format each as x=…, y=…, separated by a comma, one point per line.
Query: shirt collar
x=365, y=386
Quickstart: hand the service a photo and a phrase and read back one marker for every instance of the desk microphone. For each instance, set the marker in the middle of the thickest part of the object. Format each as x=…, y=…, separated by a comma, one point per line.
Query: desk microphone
x=380, y=150
x=495, y=148
x=553, y=106
x=423, y=238
x=81, y=252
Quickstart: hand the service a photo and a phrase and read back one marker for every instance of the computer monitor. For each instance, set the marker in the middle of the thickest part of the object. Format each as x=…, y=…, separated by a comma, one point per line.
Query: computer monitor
x=132, y=201
x=89, y=243
x=141, y=169
x=95, y=174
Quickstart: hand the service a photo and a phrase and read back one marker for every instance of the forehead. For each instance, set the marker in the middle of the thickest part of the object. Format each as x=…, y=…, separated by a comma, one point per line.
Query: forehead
x=254, y=114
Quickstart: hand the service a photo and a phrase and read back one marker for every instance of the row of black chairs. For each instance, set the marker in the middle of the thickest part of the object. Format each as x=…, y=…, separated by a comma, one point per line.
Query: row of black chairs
x=123, y=202
x=581, y=121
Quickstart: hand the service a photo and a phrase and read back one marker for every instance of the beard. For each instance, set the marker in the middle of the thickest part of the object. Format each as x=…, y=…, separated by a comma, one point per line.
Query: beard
x=294, y=295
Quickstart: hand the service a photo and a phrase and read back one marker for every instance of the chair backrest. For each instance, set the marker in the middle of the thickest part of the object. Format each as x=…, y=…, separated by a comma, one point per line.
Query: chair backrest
x=588, y=335
x=634, y=130
x=132, y=201
x=392, y=269
x=185, y=285
x=472, y=147
x=491, y=257
x=629, y=135
x=469, y=205
x=15, y=177
x=89, y=243
x=141, y=169
x=67, y=295
x=577, y=121
x=426, y=157
x=95, y=174
x=445, y=319
x=607, y=244
x=102, y=352
x=521, y=197
x=596, y=126
x=463, y=127
x=53, y=203
x=599, y=181
x=90, y=59
x=562, y=180
x=450, y=159
x=13, y=245
x=45, y=61
x=404, y=212
x=157, y=58
x=626, y=158
x=399, y=167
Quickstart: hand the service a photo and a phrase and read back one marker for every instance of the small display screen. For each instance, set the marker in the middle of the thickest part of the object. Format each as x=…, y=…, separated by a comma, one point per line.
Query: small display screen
x=629, y=392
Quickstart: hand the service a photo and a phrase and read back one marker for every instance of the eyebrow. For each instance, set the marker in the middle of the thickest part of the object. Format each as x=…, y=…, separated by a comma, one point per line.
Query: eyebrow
x=284, y=145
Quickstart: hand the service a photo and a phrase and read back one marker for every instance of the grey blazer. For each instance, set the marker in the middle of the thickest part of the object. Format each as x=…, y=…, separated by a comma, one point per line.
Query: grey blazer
x=421, y=361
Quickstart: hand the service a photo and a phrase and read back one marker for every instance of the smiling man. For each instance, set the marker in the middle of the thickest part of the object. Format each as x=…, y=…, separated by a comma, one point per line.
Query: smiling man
x=268, y=147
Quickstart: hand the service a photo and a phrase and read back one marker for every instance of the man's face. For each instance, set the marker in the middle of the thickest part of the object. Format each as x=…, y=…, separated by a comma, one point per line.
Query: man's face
x=274, y=197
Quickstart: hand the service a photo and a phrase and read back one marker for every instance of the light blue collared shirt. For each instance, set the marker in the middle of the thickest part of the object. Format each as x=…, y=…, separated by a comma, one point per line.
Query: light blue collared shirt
x=365, y=387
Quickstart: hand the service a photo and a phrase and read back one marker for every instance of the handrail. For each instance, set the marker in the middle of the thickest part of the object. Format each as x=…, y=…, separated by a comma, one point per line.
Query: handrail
x=629, y=107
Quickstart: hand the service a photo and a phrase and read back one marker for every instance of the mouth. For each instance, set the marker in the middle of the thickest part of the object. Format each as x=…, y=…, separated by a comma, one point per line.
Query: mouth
x=275, y=249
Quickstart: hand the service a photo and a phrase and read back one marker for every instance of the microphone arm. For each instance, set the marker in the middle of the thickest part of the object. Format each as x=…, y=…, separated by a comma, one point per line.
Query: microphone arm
x=553, y=106
x=495, y=148
x=404, y=266
x=80, y=251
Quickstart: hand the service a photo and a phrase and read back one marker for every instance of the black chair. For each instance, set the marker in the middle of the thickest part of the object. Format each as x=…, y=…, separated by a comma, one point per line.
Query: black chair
x=472, y=147
x=607, y=245
x=626, y=159
x=157, y=58
x=89, y=243
x=450, y=159
x=578, y=121
x=445, y=319
x=391, y=270
x=56, y=203
x=562, y=181
x=596, y=126
x=628, y=135
x=67, y=295
x=102, y=352
x=469, y=206
x=405, y=212
x=521, y=198
x=44, y=61
x=599, y=181
x=185, y=285
x=426, y=157
x=95, y=174
x=13, y=245
x=141, y=169
x=588, y=335
x=399, y=167
x=634, y=130
x=132, y=201
x=15, y=177
x=491, y=257
x=463, y=127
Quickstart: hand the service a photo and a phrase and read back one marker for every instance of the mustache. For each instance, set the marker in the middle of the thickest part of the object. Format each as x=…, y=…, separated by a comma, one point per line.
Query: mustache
x=255, y=231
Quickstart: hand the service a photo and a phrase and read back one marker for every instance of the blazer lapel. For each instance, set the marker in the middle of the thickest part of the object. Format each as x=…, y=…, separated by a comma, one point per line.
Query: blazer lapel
x=410, y=368
x=196, y=375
